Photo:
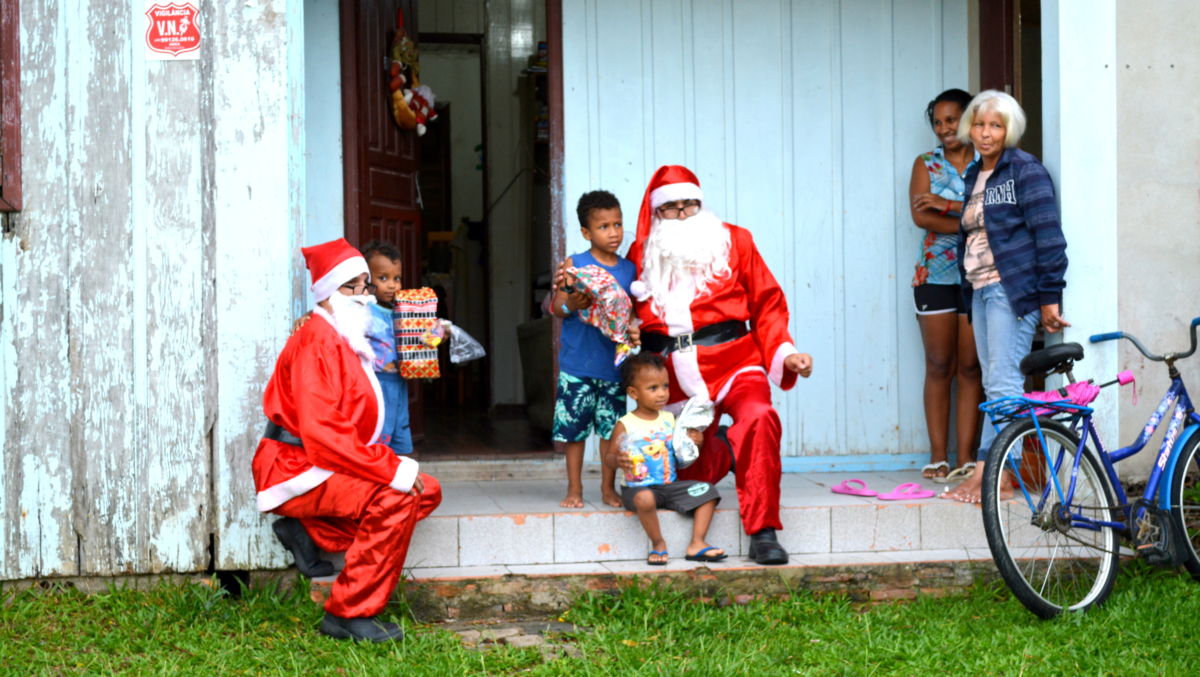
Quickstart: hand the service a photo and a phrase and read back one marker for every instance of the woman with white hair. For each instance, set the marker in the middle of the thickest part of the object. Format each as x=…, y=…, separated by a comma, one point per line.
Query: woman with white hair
x=1012, y=254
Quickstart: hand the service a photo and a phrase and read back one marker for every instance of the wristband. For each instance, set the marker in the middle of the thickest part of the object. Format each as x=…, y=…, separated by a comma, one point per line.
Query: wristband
x=566, y=311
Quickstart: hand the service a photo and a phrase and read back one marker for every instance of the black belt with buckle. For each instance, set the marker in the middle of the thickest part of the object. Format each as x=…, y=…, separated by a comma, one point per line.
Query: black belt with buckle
x=712, y=335
x=277, y=432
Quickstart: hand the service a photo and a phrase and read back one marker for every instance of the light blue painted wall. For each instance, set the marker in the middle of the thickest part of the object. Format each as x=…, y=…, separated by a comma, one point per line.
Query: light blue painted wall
x=802, y=120
x=324, y=216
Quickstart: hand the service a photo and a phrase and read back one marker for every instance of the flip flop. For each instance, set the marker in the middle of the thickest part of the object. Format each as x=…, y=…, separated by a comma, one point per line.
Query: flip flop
x=847, y=487
x=701, y=557
x=930, y=471
x=957, y=475
x=663, y=553
x=908, y=490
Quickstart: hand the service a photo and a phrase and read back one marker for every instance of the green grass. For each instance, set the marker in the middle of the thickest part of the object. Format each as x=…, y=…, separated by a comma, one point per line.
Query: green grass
x=1147, y=626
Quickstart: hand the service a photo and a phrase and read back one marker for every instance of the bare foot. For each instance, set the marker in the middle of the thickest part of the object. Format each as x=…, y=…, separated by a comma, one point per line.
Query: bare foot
x=967, y=492
x=572, y=501
x=610, y=498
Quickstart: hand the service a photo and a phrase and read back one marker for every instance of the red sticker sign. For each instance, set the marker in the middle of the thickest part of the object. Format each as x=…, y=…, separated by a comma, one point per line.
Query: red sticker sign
x=172, y=32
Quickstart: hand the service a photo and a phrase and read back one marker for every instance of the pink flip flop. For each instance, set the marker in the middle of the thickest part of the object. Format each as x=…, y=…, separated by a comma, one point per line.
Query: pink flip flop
x=909, y=490
x=846, y=487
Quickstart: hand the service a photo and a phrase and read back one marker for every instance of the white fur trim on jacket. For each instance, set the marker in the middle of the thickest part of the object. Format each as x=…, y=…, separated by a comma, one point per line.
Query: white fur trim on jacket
x=368, y=369
x=677, y=314
x=781, y=353
x=273, y=497
x=729, y=384
x=674, y=191
x=337, y=276
x=406, y=475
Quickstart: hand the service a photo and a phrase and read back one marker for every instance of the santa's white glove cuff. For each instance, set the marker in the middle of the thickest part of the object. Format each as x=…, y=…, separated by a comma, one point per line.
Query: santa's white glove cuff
x=406, y=474
x=783, y=352
x=639, y=290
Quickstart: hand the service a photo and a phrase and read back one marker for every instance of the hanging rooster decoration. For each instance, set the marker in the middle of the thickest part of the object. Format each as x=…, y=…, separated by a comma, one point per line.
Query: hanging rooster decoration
x=412, y=102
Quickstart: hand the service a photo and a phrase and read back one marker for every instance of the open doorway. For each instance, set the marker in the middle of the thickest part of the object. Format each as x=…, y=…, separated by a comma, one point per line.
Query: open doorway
x=482, y=242
x=462, y=419
x=468, y=203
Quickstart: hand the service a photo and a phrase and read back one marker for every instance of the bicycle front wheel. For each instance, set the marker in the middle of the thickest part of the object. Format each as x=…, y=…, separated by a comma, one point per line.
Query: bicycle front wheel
x=1037, y=526
x=1185, y=503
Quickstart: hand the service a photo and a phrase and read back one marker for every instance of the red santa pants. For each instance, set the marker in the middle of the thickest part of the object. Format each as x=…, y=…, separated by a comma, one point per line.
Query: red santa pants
x=373, y=524
x=755, y=436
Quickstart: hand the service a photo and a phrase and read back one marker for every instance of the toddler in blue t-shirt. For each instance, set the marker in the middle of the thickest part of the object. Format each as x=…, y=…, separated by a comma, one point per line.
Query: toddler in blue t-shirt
x=589, y=397
x=383, y=260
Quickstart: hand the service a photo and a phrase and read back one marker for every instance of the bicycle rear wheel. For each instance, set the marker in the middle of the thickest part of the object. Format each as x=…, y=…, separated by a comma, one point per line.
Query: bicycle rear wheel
x=1185, y=503
x=1050, y=562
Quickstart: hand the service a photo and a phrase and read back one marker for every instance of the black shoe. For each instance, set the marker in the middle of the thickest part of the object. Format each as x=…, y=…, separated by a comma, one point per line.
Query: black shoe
x=765, y=548
x=723, y=435
x=370, y=629
x=292, y=535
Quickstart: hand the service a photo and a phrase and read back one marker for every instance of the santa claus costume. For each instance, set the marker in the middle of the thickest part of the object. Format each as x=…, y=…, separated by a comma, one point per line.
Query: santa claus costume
x=320, y=464
x=706, y=300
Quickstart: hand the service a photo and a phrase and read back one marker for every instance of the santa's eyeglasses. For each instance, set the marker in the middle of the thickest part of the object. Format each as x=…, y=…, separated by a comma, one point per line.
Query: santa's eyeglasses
x=364, y=288
x=673, y=210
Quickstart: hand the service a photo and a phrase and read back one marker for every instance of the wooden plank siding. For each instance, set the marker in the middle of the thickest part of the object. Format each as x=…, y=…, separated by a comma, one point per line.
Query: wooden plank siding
x=36, y=480
x=802, y=120
x=257, y=192
x=106, y=470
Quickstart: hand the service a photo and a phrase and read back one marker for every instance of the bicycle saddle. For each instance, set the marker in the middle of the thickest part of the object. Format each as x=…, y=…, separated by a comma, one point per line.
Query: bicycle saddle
x=1050, y=360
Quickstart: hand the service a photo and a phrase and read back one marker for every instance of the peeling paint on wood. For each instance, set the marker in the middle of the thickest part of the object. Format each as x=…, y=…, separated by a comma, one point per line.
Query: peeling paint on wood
x=255, y=233
x=35, y=473
x=145, y=291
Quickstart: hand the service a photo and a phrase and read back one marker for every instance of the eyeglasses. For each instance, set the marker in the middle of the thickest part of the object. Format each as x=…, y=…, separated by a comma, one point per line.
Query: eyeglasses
x=364, y=288
x=670, y=211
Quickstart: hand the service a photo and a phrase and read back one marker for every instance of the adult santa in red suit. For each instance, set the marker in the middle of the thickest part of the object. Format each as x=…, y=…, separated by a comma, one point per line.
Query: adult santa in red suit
x=706, y=298
x=319, y=464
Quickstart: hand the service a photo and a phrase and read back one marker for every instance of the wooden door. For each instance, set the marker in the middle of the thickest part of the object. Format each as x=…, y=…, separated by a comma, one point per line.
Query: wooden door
x=381, y=159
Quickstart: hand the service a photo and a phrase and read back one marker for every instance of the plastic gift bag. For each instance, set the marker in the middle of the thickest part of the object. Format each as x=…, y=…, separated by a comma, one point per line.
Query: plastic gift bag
x=697, y=414
x=611, y=308
x=463, y=348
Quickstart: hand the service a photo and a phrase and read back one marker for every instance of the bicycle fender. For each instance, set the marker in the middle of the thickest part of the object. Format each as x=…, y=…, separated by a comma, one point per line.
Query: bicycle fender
x=1164, y=497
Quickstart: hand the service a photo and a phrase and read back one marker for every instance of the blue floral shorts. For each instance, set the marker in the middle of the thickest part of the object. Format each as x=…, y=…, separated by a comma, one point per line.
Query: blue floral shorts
x=584, y=405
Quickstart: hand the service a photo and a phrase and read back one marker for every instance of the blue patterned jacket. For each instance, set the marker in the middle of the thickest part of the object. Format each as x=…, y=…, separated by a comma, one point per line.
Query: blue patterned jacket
x=1024, y=231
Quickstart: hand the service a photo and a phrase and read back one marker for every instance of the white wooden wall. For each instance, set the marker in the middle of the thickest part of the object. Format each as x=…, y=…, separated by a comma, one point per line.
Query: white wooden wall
x=106, y=465
x=801, y=119
x=146, y=288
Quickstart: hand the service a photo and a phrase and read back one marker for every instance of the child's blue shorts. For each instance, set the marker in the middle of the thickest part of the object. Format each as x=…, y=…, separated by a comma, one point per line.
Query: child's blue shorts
x=584, y=405
x=396, y=432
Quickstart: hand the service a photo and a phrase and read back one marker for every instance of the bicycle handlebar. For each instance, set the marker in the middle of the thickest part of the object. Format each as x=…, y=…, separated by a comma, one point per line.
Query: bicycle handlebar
x=1114, y=335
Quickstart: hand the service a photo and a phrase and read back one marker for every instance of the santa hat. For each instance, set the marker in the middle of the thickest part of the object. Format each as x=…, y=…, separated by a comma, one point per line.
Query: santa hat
x=331, y=265
x=668, y=184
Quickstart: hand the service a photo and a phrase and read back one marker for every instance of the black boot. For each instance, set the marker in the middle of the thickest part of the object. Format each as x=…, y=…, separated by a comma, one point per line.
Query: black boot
x=292, y=535
x=765, y=548
x=370, y=629
x=723, y=435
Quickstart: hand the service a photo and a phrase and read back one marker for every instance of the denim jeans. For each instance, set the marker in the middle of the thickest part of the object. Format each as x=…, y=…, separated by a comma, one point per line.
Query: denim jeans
x=395, y=432
x=1001, y=340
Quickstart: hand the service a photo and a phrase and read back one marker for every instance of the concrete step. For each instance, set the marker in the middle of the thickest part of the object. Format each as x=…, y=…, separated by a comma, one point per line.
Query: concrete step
x=505, y=526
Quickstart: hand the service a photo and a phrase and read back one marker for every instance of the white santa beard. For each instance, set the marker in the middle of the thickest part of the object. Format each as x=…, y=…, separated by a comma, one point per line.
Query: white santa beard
x=352, y=317
x=692, y=252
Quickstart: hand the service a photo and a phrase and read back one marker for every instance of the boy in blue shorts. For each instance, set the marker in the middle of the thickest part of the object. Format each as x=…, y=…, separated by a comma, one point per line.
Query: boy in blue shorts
x=383, y=260
x=589, y=396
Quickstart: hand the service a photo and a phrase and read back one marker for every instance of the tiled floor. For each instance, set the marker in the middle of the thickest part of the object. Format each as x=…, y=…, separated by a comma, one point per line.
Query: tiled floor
x=495, y=528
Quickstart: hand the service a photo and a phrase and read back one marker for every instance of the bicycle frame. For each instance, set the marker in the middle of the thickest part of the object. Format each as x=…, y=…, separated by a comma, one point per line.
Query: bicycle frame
x=1080, y=417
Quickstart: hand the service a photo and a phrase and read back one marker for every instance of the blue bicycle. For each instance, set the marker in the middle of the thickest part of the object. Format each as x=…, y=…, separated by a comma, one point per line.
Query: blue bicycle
x=1056, y=514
